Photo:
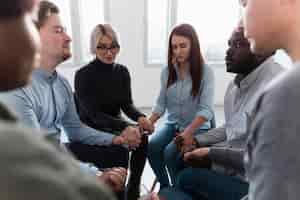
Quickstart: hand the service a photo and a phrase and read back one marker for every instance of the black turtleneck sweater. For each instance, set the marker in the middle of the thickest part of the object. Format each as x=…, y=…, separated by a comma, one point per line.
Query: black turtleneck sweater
x=101, y=92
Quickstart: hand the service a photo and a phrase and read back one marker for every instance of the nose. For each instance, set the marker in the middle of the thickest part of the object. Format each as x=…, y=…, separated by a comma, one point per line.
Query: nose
x=67, y=37
x=177, y=51
x=109, y=52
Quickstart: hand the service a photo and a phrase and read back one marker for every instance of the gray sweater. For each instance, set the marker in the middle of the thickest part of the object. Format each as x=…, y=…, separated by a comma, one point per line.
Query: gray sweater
x=228, y=141
x=272, y=158
x=31, y=168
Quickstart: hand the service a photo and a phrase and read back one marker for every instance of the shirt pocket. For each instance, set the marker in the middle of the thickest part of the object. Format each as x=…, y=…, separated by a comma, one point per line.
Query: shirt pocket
x=237, y=126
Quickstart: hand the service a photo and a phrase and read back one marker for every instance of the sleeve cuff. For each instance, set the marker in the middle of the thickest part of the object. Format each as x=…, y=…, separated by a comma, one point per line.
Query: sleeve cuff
x=206, y=114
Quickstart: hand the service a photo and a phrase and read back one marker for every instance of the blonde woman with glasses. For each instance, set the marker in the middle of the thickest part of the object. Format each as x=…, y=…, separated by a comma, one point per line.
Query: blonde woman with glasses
x=102, y=91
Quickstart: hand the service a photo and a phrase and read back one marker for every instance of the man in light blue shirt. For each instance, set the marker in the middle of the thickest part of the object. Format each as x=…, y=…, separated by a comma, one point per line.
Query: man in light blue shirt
x=47, y=103
x=32, y=168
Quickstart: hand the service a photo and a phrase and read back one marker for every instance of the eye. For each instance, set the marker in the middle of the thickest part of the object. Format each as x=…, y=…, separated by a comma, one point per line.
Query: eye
x=60, y=30
x=183, y=46
x=101, y=47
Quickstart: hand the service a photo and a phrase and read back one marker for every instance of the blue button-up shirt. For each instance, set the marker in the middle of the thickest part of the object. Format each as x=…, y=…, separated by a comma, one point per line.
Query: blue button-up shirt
x=180, y=106
x=48, y=104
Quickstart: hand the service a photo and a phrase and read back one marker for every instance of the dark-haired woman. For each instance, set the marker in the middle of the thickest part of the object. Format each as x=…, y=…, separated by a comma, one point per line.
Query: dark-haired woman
x=186, y=96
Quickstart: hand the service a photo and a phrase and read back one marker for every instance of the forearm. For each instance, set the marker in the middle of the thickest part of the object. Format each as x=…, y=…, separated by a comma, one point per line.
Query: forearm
x=107, y=122
x=228, y=157
x=89, y=136
x=132, y=112
x=211, y=137
x=196, y=123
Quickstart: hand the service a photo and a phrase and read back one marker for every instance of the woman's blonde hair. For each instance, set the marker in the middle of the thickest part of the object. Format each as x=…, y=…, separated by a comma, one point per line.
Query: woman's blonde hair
x=98, y=32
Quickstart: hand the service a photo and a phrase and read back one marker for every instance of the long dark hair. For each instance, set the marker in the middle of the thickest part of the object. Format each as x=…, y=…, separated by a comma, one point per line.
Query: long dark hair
x=195, y=59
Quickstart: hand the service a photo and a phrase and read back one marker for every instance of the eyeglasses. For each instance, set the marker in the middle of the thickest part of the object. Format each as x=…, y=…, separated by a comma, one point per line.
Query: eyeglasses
x=113, y=48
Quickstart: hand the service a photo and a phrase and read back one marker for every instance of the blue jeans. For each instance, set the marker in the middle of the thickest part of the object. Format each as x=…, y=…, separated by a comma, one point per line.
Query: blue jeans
x=162, y=153
x=207, y=184
x=158, y=146
x=174, y=159
x=172, y=193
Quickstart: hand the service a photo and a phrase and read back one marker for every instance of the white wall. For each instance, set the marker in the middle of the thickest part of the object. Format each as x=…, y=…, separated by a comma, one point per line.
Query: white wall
x=127, y=17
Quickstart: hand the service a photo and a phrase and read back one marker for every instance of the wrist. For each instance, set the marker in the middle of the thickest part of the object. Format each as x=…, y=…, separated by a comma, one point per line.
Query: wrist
x=188, y=132
x=117, y=140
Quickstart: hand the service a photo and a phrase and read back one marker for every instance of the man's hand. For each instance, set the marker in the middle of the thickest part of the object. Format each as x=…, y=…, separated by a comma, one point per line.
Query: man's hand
x=198, y=158
x=132, y=137
x=115, y=178
x=185, y=142
x=146, y=124
x=118, y=140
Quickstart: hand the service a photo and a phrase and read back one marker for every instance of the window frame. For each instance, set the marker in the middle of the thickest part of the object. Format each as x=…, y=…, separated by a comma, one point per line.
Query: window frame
x=172, y=11
x=77, y=34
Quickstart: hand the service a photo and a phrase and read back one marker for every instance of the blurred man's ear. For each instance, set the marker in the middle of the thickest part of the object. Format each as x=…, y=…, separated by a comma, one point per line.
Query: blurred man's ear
x=243, y=3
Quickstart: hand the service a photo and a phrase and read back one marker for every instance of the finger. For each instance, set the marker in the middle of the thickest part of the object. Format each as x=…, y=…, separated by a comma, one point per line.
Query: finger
x=116, y=179
x=187, y=156
x=120, y=170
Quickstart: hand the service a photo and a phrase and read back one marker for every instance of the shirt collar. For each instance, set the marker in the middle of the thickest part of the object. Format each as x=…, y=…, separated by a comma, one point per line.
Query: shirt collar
x=251, y=78
x=44, y=74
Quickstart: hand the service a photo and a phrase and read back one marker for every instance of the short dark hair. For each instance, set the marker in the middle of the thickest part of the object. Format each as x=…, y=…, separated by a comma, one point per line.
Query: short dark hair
x=45, y=10
x=12, y=8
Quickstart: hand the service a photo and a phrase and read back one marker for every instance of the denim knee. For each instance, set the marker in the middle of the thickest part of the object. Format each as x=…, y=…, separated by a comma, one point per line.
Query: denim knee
x=171, y=153
x=184, y=178
x=153, y=148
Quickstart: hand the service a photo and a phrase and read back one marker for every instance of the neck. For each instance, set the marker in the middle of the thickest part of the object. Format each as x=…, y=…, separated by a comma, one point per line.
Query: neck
x=48, y=64
x=255, y=64
x=183, y=67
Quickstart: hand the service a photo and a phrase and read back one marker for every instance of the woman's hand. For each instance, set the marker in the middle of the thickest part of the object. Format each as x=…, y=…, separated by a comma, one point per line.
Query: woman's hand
x=146, y=124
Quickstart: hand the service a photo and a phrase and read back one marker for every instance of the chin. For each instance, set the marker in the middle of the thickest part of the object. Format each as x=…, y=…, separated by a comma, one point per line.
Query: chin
x=260, y=49
x=108, y=62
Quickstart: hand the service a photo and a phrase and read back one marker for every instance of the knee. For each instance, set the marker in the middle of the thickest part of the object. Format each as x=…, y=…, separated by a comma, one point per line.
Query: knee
x=171, y=153
x=184, y=178
x=153, y=148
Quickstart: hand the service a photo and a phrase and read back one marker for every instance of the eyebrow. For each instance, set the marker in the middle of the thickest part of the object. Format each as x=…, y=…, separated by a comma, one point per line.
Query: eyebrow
x=59, y=27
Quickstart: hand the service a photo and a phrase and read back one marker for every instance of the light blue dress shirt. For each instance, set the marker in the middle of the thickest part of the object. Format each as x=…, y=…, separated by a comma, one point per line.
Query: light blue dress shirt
x=48, y=104
x=178, y=103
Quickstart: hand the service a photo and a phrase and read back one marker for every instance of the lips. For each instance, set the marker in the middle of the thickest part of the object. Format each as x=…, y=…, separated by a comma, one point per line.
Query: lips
x=108, y=57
